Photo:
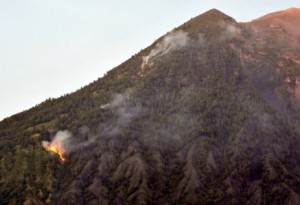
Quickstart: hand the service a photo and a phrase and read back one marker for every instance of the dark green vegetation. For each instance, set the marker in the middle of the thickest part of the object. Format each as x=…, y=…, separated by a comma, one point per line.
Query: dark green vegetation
x=215, y=121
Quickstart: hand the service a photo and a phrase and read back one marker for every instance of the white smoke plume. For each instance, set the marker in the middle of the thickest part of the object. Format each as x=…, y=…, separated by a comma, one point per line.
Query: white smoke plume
x=105, y=106
x=61, y=139
x=59, y=144
x=173, y=41
x=117, y=100
x=231, y=30
x=63, y=142
x=125, y=111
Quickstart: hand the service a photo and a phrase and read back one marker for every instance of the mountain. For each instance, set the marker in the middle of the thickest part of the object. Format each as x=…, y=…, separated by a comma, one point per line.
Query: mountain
x=286, y=21
x=207, y=114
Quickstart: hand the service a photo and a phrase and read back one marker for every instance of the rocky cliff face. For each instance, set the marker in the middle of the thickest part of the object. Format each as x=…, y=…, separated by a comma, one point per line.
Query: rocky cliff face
x=208, y=114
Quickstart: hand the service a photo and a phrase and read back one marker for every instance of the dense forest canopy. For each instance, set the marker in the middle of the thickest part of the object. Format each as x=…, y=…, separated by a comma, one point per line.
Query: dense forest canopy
x=208, y=114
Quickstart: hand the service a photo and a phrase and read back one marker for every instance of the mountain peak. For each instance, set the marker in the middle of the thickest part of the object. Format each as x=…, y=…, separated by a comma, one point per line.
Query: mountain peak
x=215, y=15
x=214, y=12
x=207, y=22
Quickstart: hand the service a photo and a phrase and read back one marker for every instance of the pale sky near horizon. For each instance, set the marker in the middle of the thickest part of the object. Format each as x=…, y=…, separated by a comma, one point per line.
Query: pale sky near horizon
x=50, y=48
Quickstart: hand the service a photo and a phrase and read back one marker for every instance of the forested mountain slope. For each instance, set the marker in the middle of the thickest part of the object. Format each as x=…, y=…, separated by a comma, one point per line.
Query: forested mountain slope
x=208, y=114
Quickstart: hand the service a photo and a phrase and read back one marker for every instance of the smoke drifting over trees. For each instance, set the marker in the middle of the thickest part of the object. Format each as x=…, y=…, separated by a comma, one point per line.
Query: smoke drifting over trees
x=172, y=41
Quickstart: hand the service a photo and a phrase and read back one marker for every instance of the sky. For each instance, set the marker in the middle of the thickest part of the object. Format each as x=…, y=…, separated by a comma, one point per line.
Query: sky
x=51, y=48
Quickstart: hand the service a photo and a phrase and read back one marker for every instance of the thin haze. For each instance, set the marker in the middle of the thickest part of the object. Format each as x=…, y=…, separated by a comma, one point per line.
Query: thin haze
x=50, y=48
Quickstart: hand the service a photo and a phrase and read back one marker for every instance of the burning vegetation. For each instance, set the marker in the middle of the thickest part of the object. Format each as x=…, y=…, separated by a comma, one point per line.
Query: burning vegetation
x=59, y=144
x=56, y=149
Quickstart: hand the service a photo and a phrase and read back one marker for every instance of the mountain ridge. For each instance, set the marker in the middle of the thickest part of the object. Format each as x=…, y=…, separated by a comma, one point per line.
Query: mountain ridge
x=286, y=21
x=206, y=114
x=289, y=11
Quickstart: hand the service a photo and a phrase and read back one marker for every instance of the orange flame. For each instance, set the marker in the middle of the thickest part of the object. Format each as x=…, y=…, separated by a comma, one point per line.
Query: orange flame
x=56, y=150
x=58, y=144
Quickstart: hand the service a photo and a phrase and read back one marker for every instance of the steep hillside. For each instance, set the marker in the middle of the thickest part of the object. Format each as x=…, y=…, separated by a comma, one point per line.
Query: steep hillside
x=285, y=21
x=208, y=114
